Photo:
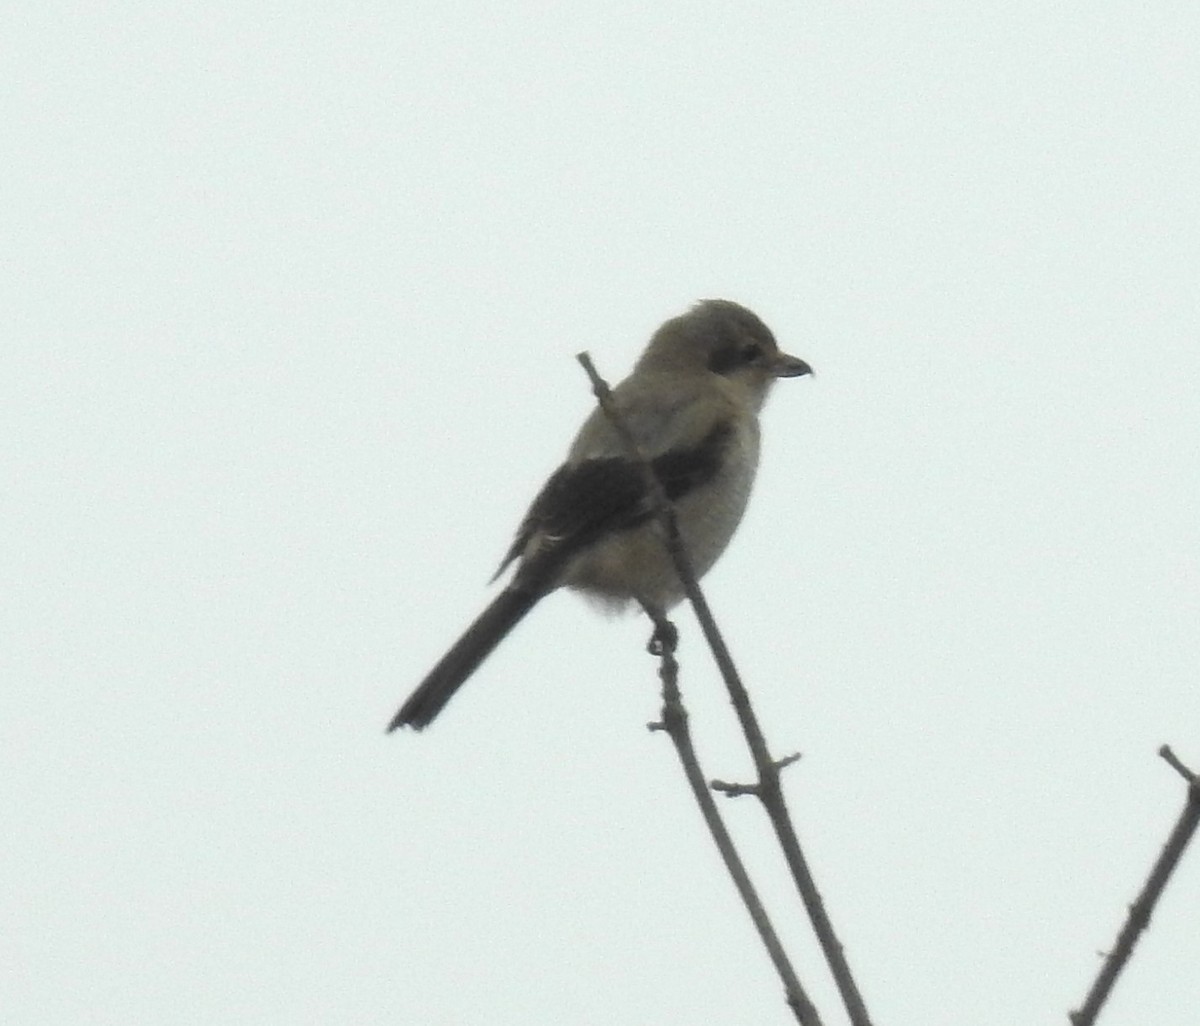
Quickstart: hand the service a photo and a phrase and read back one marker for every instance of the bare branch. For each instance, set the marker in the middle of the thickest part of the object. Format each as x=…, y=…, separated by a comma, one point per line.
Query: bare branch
x=674, y=723
x=1142, y=909
x=770, y=793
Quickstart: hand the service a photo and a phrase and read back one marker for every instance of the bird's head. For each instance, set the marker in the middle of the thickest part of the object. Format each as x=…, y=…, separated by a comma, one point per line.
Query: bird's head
x=717, y=336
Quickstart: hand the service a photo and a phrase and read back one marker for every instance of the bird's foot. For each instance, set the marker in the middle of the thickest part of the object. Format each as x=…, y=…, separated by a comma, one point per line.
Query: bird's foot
x=664, y=638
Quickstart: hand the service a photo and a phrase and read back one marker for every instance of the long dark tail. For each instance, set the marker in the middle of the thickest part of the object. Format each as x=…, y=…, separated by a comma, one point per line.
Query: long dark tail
x=464, y=657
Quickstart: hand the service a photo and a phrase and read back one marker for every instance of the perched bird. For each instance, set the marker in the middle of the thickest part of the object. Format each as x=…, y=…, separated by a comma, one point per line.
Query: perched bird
x=692, y=402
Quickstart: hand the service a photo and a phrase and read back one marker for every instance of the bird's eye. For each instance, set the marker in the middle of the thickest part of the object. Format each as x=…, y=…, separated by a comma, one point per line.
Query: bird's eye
x=751, y=351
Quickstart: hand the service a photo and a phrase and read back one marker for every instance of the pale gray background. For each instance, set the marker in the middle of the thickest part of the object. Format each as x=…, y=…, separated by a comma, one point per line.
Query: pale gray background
x=291, y=296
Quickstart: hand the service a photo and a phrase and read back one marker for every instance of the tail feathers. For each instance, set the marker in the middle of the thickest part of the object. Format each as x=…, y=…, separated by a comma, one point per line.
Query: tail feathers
x=463, y=659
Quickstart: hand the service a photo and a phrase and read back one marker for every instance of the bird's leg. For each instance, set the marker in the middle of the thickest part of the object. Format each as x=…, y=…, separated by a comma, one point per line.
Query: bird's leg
x=665, y=636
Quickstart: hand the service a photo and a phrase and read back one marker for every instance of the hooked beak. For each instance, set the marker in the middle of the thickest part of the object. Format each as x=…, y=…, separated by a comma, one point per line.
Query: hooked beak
x=784, y=366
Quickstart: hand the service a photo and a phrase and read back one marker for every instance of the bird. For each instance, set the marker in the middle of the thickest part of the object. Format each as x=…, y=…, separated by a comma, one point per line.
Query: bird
x=692, y=403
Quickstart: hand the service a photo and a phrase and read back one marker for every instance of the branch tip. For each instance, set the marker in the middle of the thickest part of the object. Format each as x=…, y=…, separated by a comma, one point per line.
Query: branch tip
x=1171, y=759
x=734, y=790
x=787, y=760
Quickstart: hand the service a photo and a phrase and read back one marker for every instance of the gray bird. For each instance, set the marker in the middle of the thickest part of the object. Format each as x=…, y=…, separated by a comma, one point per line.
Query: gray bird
x=692, y=402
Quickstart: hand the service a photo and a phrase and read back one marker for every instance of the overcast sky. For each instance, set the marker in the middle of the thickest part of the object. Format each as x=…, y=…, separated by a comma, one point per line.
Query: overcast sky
x=291, y=295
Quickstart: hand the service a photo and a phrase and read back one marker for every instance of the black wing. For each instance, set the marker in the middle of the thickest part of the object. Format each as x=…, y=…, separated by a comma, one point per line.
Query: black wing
x=584, y=501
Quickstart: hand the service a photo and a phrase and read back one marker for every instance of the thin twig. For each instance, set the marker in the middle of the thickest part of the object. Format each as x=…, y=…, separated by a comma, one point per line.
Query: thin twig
x=1171, y=759
x=769, y=791
x=767, y=788
x=675, y=724
x=1141, y=910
